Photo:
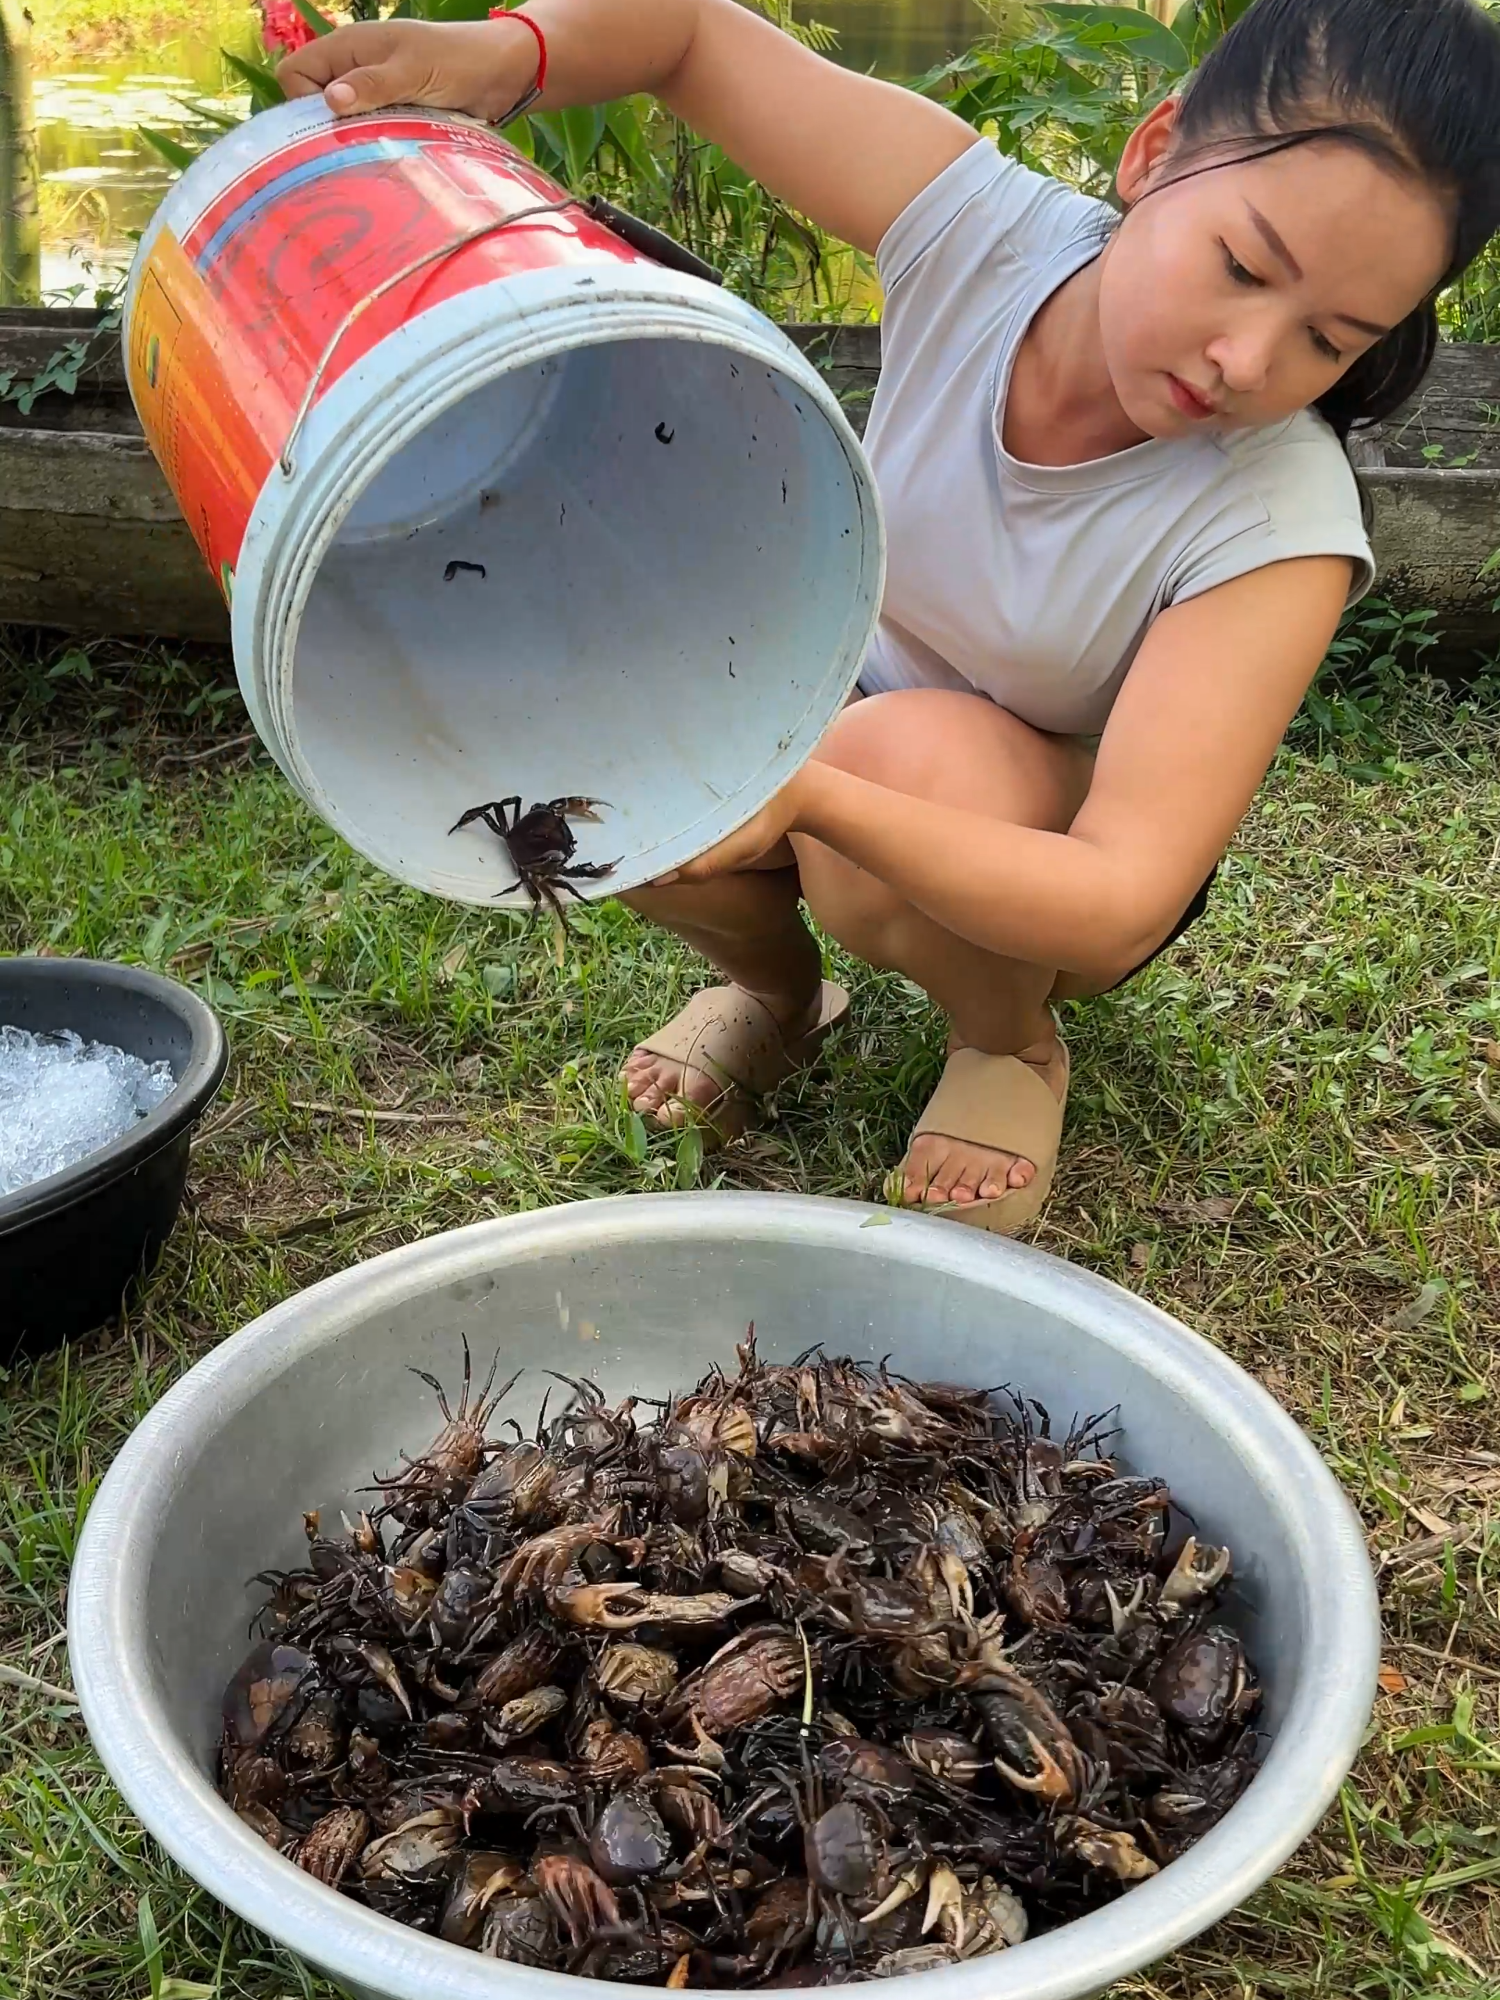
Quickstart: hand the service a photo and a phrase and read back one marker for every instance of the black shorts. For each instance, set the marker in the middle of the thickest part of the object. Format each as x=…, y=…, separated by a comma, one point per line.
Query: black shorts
x=1190, y=915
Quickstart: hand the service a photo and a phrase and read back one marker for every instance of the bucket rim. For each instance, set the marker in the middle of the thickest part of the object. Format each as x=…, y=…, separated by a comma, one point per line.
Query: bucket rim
x=457, y=347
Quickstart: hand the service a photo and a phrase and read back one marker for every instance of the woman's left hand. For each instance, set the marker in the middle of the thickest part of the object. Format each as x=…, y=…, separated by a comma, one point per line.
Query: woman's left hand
x=747, y=844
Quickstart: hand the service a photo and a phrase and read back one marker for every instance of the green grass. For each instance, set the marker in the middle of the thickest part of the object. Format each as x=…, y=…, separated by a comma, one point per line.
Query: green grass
x=1275, y=1133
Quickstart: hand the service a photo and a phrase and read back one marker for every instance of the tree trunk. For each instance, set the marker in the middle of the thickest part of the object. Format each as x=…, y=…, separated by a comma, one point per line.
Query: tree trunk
x=20, y=234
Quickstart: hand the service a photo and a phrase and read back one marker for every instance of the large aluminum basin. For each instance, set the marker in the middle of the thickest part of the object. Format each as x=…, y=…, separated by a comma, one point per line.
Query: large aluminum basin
x=643, y=1293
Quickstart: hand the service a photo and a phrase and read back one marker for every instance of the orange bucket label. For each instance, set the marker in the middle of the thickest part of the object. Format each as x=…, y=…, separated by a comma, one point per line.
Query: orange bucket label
x=236, y=313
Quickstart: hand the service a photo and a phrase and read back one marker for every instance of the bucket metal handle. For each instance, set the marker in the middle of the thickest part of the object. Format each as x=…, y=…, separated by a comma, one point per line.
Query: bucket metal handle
x=629, y=228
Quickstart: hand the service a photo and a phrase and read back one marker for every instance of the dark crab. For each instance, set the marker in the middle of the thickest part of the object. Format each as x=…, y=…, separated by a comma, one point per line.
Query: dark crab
x=822, y=1675
x=542, y=846
x=443, y=1473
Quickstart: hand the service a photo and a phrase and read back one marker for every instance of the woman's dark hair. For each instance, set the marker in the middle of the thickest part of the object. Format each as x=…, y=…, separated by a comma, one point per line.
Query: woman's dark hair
x=1415, y=83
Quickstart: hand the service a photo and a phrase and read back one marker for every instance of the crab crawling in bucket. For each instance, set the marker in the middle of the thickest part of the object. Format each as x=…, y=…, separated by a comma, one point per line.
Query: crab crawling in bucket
x=542, y=846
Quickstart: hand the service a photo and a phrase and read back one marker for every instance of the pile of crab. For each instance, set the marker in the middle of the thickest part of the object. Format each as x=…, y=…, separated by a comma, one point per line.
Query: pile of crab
x=820, y=1674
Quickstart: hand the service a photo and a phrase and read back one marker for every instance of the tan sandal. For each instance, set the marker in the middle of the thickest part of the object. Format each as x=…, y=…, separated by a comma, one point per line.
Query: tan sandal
x=733, y=1039
x=1002, y=1103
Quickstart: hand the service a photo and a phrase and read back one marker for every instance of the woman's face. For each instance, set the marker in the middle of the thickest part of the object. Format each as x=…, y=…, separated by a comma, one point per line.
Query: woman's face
x=1241, y=293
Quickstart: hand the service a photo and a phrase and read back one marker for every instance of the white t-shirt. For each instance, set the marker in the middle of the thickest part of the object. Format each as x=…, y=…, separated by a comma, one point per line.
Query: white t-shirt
x=1035, y=583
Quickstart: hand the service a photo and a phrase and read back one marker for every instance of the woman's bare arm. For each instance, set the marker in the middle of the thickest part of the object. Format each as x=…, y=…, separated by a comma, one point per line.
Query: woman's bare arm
x=1192, y=733
x=846, y=150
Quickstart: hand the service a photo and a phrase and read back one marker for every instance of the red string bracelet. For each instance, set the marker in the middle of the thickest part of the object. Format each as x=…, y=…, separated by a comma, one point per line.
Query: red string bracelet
x=539, y=81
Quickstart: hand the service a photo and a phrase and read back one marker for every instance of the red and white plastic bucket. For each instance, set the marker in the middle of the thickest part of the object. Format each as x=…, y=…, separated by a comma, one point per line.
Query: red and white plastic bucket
x=500, y=503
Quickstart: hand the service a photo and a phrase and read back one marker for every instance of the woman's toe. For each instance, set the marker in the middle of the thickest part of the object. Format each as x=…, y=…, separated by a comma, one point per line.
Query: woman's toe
x=969, y=1179
x=937, y=1175
x=675, y=1093
x=647, y=1081
x=942, y=1174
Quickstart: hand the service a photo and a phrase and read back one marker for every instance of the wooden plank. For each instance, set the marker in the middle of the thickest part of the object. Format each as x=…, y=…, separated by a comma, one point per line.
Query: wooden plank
x=119, y=578
x=1433, y=531
x=91, y=540
x=88, y=410
x=62, y=473
x=1456, y=413
x=90, y=535
x=848, y=358
x=1460, y=397
x=1457, y=409
x=69, y=317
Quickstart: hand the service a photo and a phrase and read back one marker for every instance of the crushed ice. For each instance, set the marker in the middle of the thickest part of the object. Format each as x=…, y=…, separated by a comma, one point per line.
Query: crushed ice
x=62, y=1098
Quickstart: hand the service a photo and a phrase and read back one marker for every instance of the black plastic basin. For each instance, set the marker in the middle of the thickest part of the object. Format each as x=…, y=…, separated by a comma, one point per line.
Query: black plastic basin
x=70, y=1245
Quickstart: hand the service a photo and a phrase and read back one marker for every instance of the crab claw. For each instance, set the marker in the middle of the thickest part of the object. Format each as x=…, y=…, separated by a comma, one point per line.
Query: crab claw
x=706, y=1751
x=382, y=1668
x=987, y=1643
x=1051, y=1781
x=1112, y=1853
x=945, y=1906
x=1122, y=1616
x=589, y=1604
x=807, y=1399
x=906, y=1887
x=547, y=1556
x=1195, y=1573
x=956, y=1577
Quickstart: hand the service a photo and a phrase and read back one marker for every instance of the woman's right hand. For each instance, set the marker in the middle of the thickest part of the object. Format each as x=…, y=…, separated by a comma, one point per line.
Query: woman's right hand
x=844, y=149
x=481, y=67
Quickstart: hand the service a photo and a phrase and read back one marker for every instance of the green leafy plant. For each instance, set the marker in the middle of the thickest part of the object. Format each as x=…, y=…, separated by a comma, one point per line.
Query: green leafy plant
x=319, y=23
x=63, y=366
x=1061, y=86
x=1064, y=89
x=1346, y=714
x=637, y=155
x=1470, y=310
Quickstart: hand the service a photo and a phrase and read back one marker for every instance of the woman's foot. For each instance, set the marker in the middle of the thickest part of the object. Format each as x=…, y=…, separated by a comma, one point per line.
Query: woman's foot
x=940, y=1169
x=725, y=1050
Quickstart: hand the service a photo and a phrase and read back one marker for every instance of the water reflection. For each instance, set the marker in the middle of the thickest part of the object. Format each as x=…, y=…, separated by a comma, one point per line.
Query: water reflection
x=100, y=181
x=897, y=38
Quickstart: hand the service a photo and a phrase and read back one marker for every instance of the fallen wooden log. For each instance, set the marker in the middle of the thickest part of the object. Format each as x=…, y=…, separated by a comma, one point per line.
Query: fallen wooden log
x=91, y=539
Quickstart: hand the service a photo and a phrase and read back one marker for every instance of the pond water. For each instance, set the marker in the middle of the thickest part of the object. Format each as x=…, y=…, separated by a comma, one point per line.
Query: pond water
x=101, y=180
